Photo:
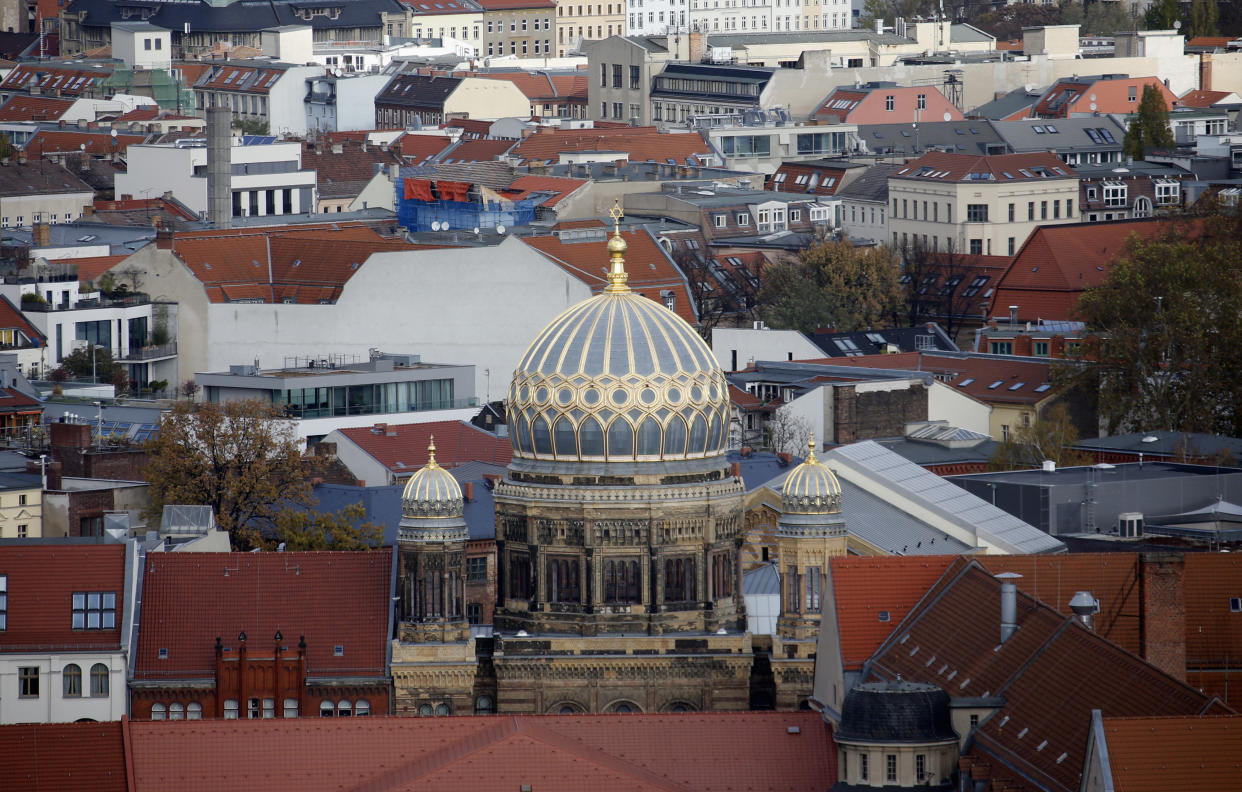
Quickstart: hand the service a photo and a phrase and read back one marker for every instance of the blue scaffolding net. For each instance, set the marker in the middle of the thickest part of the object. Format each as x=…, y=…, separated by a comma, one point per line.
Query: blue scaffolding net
x=424, y=200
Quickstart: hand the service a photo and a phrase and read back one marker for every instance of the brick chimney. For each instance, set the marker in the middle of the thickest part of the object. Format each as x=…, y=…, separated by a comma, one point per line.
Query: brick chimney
x=164, y=239
x=1163, y=597
x=41, y=234
x=698, y=47
x=71, y=435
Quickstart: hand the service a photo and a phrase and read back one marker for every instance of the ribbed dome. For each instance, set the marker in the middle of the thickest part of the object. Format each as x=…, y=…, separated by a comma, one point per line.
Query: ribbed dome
x=432, y=491
x=618, y=377
x=895, y=712
x=811, y=488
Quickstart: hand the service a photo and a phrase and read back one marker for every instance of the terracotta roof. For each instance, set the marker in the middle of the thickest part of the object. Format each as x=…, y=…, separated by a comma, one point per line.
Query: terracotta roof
x=1058, y=263
x=144, y=113
x=61, y=79
x=41, y=582
x=638, y=143
x=867, y=588
x=1213, y=628
x=334, y=599
x=476, y=151
x=239, y=78
x=13, y=400
x=1210, y=41
x=13, y=319
x=346, y=173
x=1003, y=380
x=839, y=95
x=942, y=167
x=1203, y=754
x=34, y=108
x=191, y=71
x=523, y=186
x=650, y=270
x=550, y=753
x=743, y=399
x=1200, y=98
x=542, y=87
x=97, y=143
x=63, y=757
x=828, y=178
x=1052, y=672
x=417, y=149
x=305, y=265
x=402, y=448
x=472, y=127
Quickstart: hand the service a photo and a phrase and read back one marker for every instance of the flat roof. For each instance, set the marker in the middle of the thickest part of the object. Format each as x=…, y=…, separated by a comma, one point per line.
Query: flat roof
x=1099, y=474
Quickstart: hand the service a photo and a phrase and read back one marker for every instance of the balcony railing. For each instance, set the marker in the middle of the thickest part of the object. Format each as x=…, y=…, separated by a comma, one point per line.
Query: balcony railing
x=150, y=352
x=370, y=409
x=85, y=303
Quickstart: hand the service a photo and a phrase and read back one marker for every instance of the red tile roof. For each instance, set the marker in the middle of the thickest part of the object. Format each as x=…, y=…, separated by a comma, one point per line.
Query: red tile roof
x=238, y=78
x=551, y=753
x=13, y=400
x=743, y=399
x=638, y=143
x=97, y=143
x=472, y=127
x=943, y=167
x=334, y=599
x=144, y=113
x=1194, y=98
x=402, y=448
x=307, y=264
x=13, y=319
x=828, y=178
x=477, y=151
x=1058, y=263
x=58, y=79
x=651, y=272
x=34, y=108
x=1203, y=754
x=1210, y=41
x=41, y=582
x=63, y=757
x=542, y=87
x=1016, y=380
x=417, y=149
x=344, y=174
x=1213, y=629
x=1051, y=673
x=523, y=186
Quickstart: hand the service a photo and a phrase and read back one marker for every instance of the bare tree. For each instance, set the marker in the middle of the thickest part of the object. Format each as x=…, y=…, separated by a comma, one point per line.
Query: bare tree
x=720, y=295
x=932, y=281
x=788, y=432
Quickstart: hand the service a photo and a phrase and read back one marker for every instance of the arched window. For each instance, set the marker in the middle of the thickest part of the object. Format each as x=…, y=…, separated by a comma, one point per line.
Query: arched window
x=542, y=437
x=698, y=436
x=715, y=438
x=623, y=707
x=522, y=433
x=591, y=437
x=99, y=680
x=620, y=440
x=649, y=437
x=1142, y=206
x=231, y=709
x=194, y=711
x=362, y=708
x=566, y=442
x=158, y=711
x=176, y=711
x=443, y=709
x=483, y=705
x=326, y=709
x=344, y=708
x=72, y=677
x=675, y=437
x=425, y=710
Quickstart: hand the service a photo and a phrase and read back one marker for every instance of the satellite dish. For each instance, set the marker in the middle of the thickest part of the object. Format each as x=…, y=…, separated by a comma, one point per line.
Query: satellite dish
x=1093, y=97
x=948, y=116
x=476, y=230
x=500, y=230
x=435, y=225
x=113, y=133
x=1093, y=106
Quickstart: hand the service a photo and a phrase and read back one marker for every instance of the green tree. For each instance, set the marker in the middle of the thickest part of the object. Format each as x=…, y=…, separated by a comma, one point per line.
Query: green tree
x=250, y=126
x=1149, y=127
x=239, y=458
x=1105, y=19
x=1161, y=15
x=6, y=146
x=1170, y=331
x=1050, y=437
x=1203, y=19
x=832, y=284
x=85, y=362
x=1006, y=22
x=301, y=529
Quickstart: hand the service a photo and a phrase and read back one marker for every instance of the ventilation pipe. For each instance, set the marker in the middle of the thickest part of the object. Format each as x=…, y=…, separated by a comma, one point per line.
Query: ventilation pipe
x=1013, y=316
x=219, y=166
x=1084, y=607
x=1009, y=603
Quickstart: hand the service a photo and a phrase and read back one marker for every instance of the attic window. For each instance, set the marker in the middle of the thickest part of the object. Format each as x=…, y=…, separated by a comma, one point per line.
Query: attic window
x=338, y=651
x=1043, y=388
x=996, y=385
x=965, y=382
x=1016, y=386
x=884, y=616
x=1235, y=604
x=163, y=654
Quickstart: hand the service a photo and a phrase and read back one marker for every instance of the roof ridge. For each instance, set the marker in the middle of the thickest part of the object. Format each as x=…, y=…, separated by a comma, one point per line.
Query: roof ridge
x=405, y=774
x=600, y=756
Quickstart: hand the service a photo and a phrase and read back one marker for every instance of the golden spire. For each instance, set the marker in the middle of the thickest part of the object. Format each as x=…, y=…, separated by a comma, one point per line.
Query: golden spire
x=431, y=453
x=810, y=450
x=617, y=275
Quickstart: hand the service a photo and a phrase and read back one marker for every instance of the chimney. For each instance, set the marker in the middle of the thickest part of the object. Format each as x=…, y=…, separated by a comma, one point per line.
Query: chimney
x=736, y=470
x=1084, y=607
x=41, y=234
x=164, y=239
x=879, y=26
x=698, y=47
x=1013, y=315
x=219, y=167
x=467, y=492
x=1009, y=603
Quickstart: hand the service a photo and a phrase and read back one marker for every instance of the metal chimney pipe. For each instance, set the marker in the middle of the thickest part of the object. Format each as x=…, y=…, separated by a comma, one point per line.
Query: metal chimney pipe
x=1013, y=316
x=1085, y=606
x=219, y=166
x=1009, y=603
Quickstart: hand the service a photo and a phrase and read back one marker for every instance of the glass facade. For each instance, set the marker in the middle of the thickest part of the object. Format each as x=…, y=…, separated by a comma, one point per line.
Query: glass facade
x=389, y=397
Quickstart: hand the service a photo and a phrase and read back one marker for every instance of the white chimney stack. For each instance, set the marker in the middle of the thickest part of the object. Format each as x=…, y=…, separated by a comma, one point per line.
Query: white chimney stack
x=1009, y=603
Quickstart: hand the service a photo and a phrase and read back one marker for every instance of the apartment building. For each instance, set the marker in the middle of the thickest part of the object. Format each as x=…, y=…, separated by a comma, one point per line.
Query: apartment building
x=522, y=28
x=271, y=94
x=979, y=204
x=577, y=22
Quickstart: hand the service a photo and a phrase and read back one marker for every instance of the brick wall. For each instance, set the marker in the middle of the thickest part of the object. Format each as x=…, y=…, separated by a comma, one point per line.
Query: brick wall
x=1164, y=612
x=71, y=447
x=85, y=504
x=482, y=592
x=872, y=414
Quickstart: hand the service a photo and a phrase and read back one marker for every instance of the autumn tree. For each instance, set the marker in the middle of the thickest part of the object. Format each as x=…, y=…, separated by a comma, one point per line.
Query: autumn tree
x=303, y=529
x=1149, y=127
x=719, y=294
x=1050, y=437
x=1169, y=329
x=1203, y=18
x=832, y=284
x=237, y=457
x=931, y=285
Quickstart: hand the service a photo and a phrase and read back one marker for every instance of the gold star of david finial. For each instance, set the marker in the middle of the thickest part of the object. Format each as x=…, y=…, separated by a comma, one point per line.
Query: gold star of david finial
x=616, y=250
x=616, y=213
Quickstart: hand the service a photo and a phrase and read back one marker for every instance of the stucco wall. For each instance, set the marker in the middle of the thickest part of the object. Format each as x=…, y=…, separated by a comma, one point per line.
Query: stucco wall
x=479, y=98
x=759, y=345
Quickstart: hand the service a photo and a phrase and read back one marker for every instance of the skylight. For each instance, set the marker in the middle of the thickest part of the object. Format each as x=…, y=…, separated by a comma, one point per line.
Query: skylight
x=1016, y=386
x=965, y=382
x=996, y=385
x=1043, y=388
x=1037, y=129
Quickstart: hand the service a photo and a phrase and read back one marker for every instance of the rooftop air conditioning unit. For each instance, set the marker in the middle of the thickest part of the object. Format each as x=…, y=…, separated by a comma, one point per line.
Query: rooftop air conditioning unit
x=1130, y=525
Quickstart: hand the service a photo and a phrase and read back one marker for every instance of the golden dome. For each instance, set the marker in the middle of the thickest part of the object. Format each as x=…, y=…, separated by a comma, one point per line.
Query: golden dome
x=811, y=488
x=432, y=491
x=618, y=377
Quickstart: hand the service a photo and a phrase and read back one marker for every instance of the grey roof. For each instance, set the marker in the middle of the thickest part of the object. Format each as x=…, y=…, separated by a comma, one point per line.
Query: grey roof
x=1007, y=105
x=12, y=481
x=951, y=502
x=874, y=342
x=872, y=185
x=418, y=90
x=961, y=33
x=240, y=15
x=480, y=511
x=1058, y=134
x=1128, y=472
x=1167, y=444
x=763, y=581
x=119, y=238
x=1130, y=170
x=924, y=453
x=742, y=40
x=959, y=137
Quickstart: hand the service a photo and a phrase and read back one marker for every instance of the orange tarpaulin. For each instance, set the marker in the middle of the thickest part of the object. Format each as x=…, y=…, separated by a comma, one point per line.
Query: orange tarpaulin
x=453, y=190
x=418, y=190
